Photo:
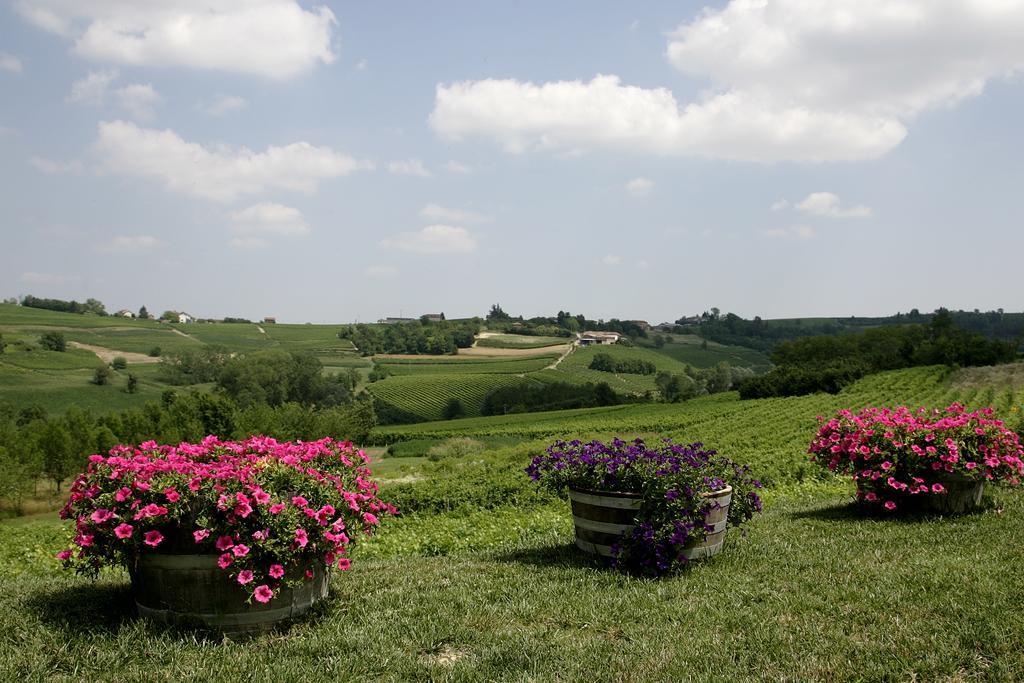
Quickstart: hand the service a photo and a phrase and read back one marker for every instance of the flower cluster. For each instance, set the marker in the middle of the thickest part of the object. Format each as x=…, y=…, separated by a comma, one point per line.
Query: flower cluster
x=899, y=452
x=270, y=510
x=671, y=478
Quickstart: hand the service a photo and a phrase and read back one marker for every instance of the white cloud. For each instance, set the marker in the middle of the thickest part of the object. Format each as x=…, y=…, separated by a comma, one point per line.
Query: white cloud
x=272, y=38
x=434, y=239
x=47, y=279
x=92, y=89
x=436, y=212
x=639, y=187
x=409, y=167
x=50, y=166
x=828, y=204
x=224, y=104
x=380, y=272
x=138, y=100
x=788, y=80
x=219, y=173
x=456, y=167
x=126, y=243
x=267, y=218
x=576, y=115
x=611, y=260
x=802, y=232
x=9, y=62
x=780, y=205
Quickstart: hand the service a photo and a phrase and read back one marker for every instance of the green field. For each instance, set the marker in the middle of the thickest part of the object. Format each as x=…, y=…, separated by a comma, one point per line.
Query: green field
x=426, y=395
x=502, y=366
x=576, y=368
x=520, y=341
x=688, y=348
x=478, y=579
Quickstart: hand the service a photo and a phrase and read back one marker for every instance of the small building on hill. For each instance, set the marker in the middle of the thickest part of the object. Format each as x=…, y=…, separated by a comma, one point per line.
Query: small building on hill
x=125, y=313
x=599, y=338
x=185, y=318
x=270, y=320
x=432, y=317
x=394, y=321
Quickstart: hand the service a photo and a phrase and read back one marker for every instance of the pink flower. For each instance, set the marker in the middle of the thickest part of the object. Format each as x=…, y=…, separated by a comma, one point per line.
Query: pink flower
x=276, y=571
x=83, y=540
x=200, y=535
x=240, y=550
x=261, y=497
x=245, y=576
x=243, y=509
x=886, y=465
x=263, y=593
x=277, y=508
x=64, y=555
x=871, y=496
x=890, y=505
x=370, y=519
x=225, y=560
x=100, y=516
x=301, y=538
x=344, y=563
x=938, y=488
x=123, y=494
x=153, y=538
x=124, y=531
x=299, y=501
x=224, y=542
x=309, y=574
x=172, y=495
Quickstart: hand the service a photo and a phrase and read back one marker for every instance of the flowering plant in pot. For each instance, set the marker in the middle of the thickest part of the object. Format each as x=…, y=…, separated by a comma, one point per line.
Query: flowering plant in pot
x=649, y=508
x=270, y=516
x=936, y=459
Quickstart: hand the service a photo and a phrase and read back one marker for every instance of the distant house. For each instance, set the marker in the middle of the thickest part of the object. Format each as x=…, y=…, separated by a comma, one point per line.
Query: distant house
x=125, y=313
x=185, y=318
x=433, y=317
x=394, y=321
x=599, y=338
x=270, y=320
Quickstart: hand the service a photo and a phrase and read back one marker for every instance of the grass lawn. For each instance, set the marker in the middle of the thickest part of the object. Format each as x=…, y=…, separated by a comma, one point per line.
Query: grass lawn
x=814, y=591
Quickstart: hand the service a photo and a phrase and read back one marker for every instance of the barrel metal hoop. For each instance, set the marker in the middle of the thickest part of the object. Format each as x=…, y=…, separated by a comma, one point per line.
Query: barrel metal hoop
x=606, y=501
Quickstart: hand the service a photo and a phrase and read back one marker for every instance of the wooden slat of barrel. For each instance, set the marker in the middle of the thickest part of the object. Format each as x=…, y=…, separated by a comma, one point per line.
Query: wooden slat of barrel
x=192, y=590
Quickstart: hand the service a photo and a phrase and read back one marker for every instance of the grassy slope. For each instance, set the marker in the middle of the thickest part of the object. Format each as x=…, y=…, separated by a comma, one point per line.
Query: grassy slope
x=815, y=590
x=576, y=368
x=687, y=348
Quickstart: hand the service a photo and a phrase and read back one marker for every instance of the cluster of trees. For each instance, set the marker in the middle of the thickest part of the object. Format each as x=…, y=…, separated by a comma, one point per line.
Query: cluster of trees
x=828, y=363
x=563, y=324
x=766, y=335
x=414, y=337
x=90, y=306
x=272, y=377
x=531, y=397
x=632, y=366
x=674, y=387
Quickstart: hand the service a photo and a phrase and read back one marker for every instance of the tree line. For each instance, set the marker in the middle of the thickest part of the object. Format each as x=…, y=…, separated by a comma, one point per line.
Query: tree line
x=829, y=363
x=414, y=337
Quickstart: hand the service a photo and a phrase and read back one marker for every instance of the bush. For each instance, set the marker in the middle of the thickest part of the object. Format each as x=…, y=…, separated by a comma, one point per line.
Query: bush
x=101, y=375
x=119, y=363
x=455, y=448
x=53, y=341
x=154, y=352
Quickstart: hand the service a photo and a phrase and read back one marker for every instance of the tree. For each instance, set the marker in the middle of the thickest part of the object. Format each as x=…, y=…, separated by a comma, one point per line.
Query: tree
x=53, y=341
x=169, y=316
x=2, y=344
x=95, y=307
x=59, y=458
x=119, y=363
x=101, y=375
x=143, y=313
x=133, y=384
x=453, y=409
x=498, y=315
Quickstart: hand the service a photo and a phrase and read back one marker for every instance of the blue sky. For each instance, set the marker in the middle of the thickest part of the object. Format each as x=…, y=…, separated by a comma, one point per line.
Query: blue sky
x=333, y=162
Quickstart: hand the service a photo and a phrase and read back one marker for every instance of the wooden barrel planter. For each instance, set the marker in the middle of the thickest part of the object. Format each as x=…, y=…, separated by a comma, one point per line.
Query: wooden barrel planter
x=962, y=495
x=601, y=518
x=192, y=591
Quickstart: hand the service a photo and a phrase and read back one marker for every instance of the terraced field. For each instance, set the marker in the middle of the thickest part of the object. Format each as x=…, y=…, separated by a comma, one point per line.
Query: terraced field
x=576, y=368
x=426, y=395
x=511, y=366
x=519, y=341
x=689, y=349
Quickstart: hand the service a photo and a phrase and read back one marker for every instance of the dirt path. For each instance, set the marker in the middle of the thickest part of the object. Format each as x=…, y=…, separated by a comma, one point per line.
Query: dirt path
x=183, y=334
x=262, y=331
x=108, y=355
x=572, y=347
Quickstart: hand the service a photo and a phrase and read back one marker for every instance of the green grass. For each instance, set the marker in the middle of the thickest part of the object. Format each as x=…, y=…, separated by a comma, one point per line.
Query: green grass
x=576, y=368
x=426, y=395
x=510, y=366
x=815, y=591
x=520, y=341
x=688, y=348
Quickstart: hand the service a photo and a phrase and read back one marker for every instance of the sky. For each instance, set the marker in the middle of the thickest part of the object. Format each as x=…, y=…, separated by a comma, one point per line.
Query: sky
x=342, y=162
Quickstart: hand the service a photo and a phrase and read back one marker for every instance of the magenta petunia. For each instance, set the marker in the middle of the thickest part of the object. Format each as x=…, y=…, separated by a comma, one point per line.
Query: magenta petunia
x=276, y=571
x=101, y=515
x=224, y=542
x=153, y=538
x=124, y=531
x=301, y=538
x=240, y=550
x=263, y=593
x=245, y=576
x=277, y=508
x=200, y=535
x=344, y=563
x=225, y=560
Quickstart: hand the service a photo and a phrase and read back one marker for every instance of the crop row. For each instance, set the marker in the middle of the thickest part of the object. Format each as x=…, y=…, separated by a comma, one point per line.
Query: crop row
x=427, y=396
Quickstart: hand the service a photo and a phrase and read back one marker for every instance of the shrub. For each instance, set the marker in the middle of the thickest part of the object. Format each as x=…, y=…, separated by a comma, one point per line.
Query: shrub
x=455, y=448
x=101, y=375
x=119, y=363
x=154, y=352
x=53, y=341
